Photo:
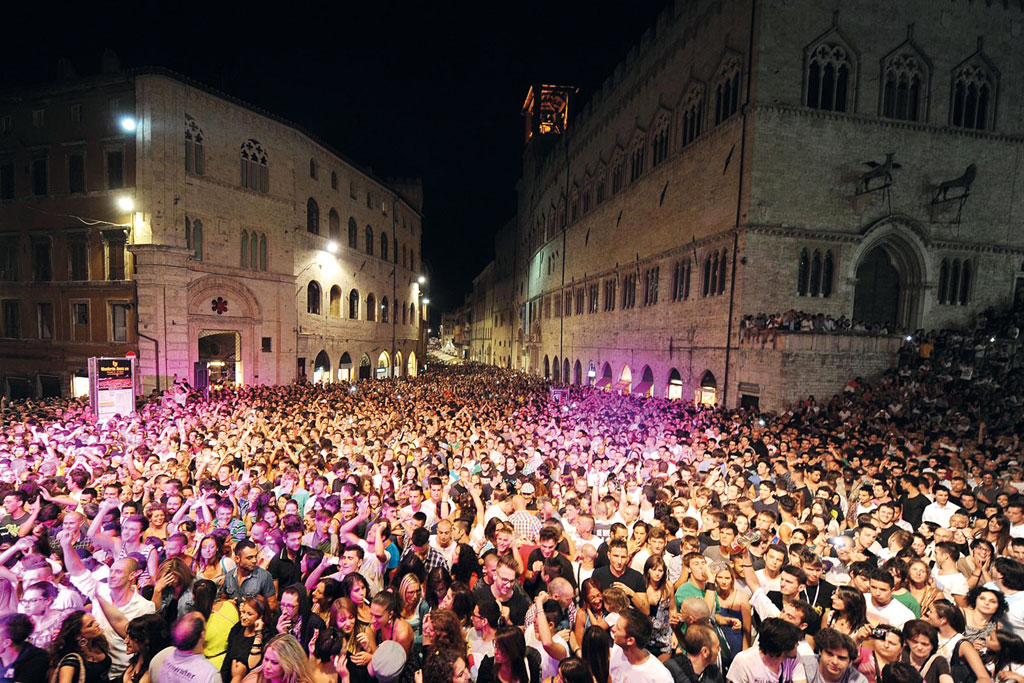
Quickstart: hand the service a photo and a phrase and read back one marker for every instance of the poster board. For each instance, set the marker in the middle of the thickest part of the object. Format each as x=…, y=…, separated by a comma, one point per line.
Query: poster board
x=112, y=389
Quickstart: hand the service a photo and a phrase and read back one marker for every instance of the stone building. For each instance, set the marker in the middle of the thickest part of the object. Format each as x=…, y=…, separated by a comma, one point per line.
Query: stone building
x=145, y=212
x=720, y=171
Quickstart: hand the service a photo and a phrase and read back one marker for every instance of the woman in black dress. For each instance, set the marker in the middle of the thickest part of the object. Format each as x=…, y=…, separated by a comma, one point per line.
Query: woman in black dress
x=80, y=653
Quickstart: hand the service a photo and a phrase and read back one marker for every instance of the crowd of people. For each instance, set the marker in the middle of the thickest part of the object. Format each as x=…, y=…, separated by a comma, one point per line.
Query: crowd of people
x=763, y=327
x=465, y=526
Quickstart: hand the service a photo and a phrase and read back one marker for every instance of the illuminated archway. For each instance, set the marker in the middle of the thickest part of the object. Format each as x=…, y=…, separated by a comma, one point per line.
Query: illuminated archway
x=646, y=385
x=675, y=385
x=399, y=370
x=345, y=368
x=383, y=365
x=411, y=368
x=707, y=391
x=625, y=380
x=322, y=368
x=606, y=377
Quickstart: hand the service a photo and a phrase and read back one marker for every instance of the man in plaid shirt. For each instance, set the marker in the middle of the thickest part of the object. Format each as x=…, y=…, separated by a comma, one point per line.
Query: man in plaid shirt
x=420, y=544
x=524, y=523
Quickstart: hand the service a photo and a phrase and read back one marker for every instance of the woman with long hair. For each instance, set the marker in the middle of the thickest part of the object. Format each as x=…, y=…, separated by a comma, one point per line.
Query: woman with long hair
x=438, y=581
x=996, y=532
x=848, y=613
x=323, y=596
x=356, y=588
x=921, y=652
x=965, y=663
x=638, y=540
x=144, y=637
x=326, y=654
x=221, y=616
x=172, y=592
x=921, y=585
x=595, y=650
x=359, y=640
x=592, y=610
x=1005, y=657
x=733, y=615
x=410, y=593
x=460, y=599
x=985, y=608
x=660, y=606
x=513, y=661
x=467, y=565
x=284, y=661
x=80, y=646
x=210, y=562
x=245, y=641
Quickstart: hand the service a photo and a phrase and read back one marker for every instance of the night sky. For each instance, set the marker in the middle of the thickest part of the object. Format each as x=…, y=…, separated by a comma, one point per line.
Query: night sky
x=427, y=89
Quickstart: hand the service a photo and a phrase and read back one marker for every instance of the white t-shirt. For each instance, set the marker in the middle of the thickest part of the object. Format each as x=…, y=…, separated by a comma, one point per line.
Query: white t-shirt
x=649, y=671
x=136, y=607
x=895, y=613
x=748, y=667
x=548, y=664
x=951, y=584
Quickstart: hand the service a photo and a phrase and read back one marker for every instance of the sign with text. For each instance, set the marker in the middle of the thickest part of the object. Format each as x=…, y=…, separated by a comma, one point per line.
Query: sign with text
x=112, y=387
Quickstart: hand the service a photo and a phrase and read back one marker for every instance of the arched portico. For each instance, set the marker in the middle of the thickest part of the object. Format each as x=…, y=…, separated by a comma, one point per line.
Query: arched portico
x=890, y=274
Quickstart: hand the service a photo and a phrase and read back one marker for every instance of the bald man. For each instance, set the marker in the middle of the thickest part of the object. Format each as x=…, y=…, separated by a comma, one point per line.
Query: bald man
x=120, y=593
x=561, y=590
x=184, y=661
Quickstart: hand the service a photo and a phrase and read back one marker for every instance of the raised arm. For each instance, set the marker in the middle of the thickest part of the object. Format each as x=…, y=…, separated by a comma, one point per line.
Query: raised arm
x=95, y=531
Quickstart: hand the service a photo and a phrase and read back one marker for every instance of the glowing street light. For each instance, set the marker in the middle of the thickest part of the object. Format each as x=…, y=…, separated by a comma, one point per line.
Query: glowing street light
x=125, y=204
x=127, y=124
x=426, y=301
x=332, y=247
x=421, y=279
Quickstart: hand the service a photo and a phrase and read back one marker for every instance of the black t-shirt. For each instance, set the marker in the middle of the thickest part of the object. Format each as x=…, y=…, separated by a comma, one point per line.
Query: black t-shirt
x=31, y=664
x=631, y=578
x=913, y=509
x=518, y=604
x=9, y=527
x=819, y=596
x=537, y=556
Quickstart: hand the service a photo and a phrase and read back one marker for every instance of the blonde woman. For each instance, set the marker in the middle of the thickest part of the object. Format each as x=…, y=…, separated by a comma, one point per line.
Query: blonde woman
x=284, y=661
x=410, y=593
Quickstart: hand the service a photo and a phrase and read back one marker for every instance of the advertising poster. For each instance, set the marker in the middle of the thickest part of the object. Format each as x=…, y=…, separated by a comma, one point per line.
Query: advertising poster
x=113, y=387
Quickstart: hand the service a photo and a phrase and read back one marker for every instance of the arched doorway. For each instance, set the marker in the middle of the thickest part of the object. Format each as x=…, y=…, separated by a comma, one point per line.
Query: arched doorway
x=625, y=380
x=547, y=368
x=606, y=377
x=345, y=368
x=675, y=385
x=364, y=367
x=411, y=369
x=398, y=364
x=890, y=274
x=578, y=373
x=565, y=370
x=877, y=297
x=646, y=385
x=322, y=368
x=383, y=365
x=707, y=391
x=556, y=369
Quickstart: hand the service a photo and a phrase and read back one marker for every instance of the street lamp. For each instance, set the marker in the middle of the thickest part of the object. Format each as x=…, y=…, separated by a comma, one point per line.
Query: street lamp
x=127, y=124
x=421, y=279
x=126, y=204
x=332, y=247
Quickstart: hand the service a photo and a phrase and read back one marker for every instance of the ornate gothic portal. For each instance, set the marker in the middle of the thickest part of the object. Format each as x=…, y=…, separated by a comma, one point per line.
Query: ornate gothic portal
x=877, y=297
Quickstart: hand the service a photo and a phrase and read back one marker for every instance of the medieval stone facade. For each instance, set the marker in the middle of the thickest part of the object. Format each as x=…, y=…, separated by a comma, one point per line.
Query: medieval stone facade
x=721, y=171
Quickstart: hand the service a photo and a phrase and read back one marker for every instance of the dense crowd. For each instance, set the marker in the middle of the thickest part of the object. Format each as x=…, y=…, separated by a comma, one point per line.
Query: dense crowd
x=763, y=327
x=464, y=525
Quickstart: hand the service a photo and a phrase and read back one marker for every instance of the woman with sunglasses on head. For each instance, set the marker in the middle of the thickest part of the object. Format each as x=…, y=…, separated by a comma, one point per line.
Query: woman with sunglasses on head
x=985, y=609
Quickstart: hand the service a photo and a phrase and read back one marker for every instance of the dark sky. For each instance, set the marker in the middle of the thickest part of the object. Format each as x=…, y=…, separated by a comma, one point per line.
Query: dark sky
x=427, y=89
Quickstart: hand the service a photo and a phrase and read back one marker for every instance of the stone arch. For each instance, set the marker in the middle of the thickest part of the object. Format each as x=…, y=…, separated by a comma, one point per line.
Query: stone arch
x=674, y=389
x=903, y=243
x=345, y=373
x=322, y=368
x=411, y=369
x=547, y=367
x=625, y=382
x=383, y=361
x=241, y=302
x=578, y=373
x=565, y=371
x=708, y=381
x=556, y=370
x=399, y=370
x=365, y=368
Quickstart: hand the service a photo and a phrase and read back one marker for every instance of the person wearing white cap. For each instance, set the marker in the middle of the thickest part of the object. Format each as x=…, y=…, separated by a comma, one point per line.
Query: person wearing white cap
x=388, y=662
